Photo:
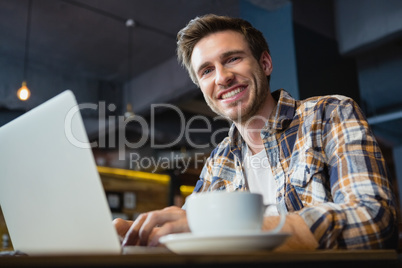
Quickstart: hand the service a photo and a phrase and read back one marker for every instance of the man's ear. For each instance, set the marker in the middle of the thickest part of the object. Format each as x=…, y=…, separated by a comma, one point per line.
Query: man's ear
x=266, y=63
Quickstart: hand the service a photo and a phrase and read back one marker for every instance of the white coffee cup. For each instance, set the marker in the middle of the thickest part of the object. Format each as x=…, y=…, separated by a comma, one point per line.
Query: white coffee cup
x=220, y=213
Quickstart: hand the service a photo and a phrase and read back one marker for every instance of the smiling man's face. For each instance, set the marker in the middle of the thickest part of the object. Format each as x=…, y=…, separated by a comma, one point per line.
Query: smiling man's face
x=233, y=82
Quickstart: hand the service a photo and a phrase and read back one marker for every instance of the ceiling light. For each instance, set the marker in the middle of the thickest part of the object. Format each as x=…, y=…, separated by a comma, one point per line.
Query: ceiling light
x=129, y=112
x=24, y=93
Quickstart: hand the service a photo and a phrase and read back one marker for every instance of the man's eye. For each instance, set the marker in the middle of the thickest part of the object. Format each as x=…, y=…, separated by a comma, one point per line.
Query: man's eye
x=233, y=59
x=206, y=71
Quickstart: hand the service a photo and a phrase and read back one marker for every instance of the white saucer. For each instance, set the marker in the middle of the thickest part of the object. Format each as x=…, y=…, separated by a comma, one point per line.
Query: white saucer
x=195, y=244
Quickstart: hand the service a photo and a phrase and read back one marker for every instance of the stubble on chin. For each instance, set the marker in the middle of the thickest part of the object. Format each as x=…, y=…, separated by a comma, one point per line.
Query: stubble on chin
x=241, y=115
x=219, y=112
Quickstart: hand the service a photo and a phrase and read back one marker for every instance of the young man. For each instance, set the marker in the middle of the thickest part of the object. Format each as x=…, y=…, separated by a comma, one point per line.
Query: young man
x=322, y=163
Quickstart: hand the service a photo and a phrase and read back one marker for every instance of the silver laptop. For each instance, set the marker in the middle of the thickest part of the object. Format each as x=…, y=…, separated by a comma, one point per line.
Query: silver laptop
x=50, y=191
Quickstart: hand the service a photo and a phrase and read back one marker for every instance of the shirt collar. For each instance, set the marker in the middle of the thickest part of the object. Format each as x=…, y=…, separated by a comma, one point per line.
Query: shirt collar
x=280, y=118
x=283, y=113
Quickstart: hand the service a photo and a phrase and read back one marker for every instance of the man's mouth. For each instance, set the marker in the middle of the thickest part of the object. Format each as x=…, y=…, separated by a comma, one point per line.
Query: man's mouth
x=232, y=93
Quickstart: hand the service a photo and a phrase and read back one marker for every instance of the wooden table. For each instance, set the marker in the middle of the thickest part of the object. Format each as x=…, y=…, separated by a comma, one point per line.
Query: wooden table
x=322, y=259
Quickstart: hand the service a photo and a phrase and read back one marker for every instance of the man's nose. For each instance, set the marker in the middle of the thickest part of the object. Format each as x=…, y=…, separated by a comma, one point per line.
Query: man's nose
x=224, y=76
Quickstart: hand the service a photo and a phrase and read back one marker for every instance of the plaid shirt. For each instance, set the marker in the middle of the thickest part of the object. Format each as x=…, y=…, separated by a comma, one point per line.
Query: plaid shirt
x=327, y=166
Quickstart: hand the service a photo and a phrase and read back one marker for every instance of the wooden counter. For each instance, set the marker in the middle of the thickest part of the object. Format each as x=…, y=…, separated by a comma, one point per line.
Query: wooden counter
x=322, y=259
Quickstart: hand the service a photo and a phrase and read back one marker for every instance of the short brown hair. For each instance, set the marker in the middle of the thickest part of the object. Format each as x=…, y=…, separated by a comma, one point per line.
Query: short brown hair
x=200, y=27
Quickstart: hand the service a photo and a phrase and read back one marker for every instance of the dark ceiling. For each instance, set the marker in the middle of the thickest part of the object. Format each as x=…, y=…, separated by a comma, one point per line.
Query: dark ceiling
x=91, y=36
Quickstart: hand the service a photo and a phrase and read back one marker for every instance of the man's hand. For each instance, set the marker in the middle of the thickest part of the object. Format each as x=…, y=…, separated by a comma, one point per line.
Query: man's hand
x=301, y=236
x=149, y=227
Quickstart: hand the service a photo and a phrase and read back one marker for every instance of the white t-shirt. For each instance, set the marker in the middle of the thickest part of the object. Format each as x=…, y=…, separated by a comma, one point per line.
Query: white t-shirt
x=260, y=180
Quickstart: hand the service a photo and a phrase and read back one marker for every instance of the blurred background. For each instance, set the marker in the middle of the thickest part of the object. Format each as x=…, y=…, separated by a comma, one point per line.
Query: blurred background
x=120, y=55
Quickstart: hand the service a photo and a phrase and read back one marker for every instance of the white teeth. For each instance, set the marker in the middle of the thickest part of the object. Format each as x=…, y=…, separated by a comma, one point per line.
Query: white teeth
x=232, y=93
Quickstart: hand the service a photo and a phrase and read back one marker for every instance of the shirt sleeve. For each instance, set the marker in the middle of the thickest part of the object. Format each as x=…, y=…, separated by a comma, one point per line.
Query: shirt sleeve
x=362, y=212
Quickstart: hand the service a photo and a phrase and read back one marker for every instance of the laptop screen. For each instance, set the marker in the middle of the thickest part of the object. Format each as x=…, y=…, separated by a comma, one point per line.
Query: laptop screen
x=50, y=190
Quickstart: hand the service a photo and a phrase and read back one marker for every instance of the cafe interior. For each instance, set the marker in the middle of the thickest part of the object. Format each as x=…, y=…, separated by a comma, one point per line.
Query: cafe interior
x=152, y=128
